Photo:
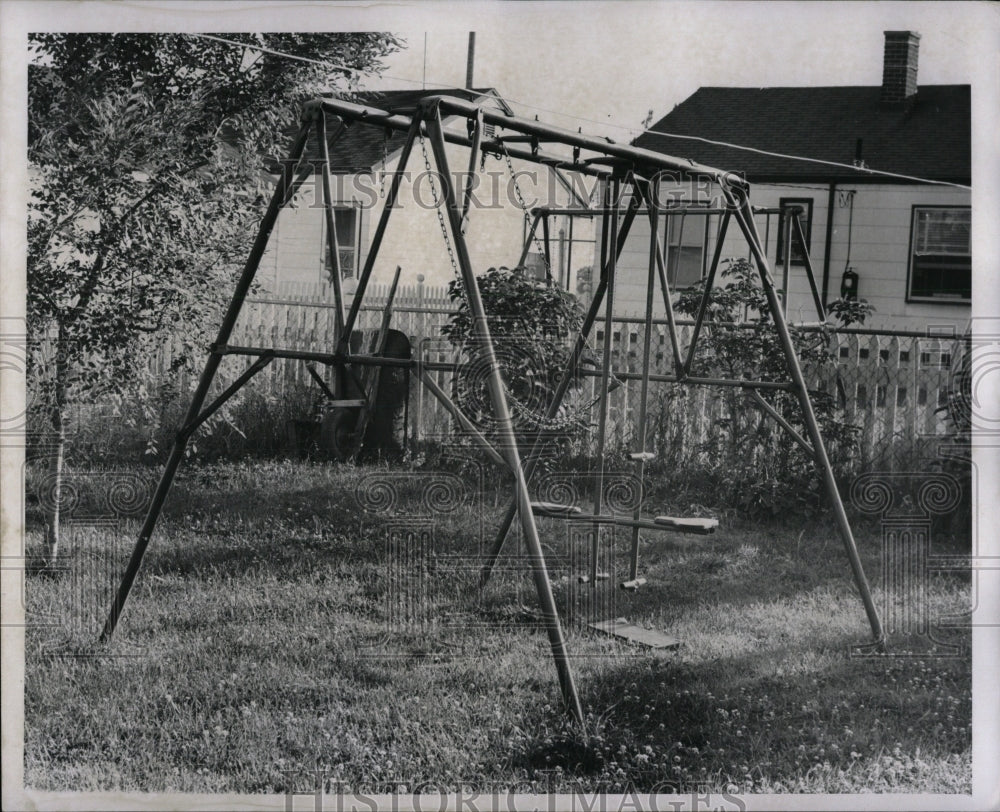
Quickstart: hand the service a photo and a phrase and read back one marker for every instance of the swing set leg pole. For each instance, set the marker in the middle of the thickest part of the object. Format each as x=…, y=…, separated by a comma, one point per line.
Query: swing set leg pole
x=286, y=188
x=602, y=424
x=741, y=210
x=508, y=442
x=654, y=221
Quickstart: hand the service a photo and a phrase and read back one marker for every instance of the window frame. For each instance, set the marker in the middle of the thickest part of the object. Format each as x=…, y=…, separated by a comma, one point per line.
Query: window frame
x=352, y=272
x=911, y=255
x=670, y=246
x=785, y=203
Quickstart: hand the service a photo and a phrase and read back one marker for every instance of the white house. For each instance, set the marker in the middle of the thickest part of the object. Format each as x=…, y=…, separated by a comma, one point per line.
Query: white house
x=362, y=160
x=905, y=236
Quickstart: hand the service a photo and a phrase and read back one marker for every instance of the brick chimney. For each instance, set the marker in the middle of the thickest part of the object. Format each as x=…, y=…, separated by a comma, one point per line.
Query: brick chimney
x=899, y=66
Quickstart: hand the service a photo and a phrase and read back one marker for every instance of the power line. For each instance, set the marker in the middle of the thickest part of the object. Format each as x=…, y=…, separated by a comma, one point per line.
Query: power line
x=870, y=171
x=265, y=50
x=630, y=130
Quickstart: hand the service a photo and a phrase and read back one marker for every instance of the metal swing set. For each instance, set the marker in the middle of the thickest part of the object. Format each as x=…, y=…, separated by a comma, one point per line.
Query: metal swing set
x=621, y=168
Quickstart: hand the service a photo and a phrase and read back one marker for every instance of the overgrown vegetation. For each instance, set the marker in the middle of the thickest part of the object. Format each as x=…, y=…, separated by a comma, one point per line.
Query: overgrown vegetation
x=748, y=462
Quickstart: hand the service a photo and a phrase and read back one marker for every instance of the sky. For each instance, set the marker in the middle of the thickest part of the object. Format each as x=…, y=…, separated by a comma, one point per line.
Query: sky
x=610, y=63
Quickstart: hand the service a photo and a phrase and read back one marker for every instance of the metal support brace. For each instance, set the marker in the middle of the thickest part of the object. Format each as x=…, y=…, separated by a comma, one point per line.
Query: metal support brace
x=266, y=358
x=377, y=237
x=772, y=412
x=810, y=275
x=285, y=190
x=707, y=295
x=463, y=420
x=668, y=305
x=570, y=372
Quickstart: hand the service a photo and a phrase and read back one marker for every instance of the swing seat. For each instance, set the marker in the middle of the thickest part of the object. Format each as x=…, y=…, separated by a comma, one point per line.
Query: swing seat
x=601, y=576
x=705, y=526
x=681, y=525
x=554, y=509
x=644, y=456
x=347, y=403
x=633, y=585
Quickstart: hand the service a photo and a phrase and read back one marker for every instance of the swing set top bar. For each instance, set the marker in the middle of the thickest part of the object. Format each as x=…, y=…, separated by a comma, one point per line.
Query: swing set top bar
x=668, y=208
x=641, y=159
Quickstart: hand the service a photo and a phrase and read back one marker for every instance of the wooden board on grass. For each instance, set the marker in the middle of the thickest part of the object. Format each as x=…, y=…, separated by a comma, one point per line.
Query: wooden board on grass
x=622, y=628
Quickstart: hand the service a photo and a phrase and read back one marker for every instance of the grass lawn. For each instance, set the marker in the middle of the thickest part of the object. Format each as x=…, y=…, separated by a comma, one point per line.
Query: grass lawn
x=277, y=624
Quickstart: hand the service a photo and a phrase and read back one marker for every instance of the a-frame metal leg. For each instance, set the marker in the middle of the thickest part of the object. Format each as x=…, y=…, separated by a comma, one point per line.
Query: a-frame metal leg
x=640, y=464
x=707, y=294
x=285, y=190
x=376, y=243
x=744, y=217
x=508, y=444
x=606, y=354
x=332, y=246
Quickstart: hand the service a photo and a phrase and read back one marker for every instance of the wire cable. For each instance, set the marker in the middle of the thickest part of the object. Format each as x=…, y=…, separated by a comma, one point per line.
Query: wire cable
x=630, y=130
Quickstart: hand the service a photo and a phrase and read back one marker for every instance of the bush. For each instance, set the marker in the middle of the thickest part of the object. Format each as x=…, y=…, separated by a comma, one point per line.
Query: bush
x=531, y=323
x=749, y=462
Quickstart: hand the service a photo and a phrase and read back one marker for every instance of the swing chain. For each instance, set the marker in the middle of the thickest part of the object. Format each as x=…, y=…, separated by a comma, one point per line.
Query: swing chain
x=524, y=209
x=437, y=209
x=559, y=422
x=385, y=164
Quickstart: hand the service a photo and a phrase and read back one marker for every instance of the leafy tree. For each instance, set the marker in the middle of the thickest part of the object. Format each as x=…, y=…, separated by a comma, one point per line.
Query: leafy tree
x=145, y=153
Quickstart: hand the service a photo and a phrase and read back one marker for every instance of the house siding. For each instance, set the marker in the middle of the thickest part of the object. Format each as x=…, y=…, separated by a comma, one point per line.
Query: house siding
x=877, y=241
x=413, y=238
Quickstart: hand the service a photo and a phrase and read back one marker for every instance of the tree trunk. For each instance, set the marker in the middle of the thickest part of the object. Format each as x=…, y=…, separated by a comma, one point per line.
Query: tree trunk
x=52, y=520
x=57, y=460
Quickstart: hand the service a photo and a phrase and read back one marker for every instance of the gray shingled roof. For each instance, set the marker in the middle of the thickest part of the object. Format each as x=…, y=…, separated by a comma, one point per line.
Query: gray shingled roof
x=928, y=138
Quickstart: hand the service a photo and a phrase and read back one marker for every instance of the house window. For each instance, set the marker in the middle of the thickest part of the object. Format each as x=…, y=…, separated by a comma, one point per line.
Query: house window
x=346, y=221
x=940, y=254
x=684, y=244
x=805, y=219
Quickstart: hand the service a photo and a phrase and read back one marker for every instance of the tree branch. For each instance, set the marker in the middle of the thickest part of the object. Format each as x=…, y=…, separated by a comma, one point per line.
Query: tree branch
x=111, y=243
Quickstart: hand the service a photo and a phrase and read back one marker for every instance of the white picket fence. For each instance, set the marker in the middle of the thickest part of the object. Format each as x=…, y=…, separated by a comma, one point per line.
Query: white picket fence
x=890, y=385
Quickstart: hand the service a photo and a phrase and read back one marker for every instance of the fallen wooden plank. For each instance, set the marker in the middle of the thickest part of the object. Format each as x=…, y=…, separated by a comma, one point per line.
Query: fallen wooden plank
x=620, y=627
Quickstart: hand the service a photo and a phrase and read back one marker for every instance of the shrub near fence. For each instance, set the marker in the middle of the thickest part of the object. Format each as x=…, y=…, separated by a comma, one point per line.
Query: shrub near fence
x=890, y=385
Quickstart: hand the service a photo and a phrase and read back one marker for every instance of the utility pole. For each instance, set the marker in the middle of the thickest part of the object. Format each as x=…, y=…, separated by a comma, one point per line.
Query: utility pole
x=471, y=60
